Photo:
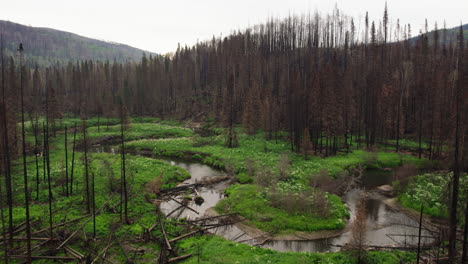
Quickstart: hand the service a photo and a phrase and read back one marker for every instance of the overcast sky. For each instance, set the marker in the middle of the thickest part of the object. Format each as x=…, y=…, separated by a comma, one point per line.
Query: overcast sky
x=158, y=26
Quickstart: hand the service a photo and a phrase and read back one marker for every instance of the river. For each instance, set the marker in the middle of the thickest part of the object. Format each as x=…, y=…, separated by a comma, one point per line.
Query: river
x=385, y=225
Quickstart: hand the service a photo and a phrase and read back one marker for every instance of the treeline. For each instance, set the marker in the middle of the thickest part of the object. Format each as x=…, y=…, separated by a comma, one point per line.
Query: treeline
x=326, y=82
x=315, y=77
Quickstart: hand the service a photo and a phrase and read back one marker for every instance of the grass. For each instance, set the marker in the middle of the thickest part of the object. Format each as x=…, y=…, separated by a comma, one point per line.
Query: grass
x=251, y=203
x=247, y=201
x=140, y=170
x=432, y=191
x=213, y=249
x=267, y=153
x=102, y=122
x=243, y=198
x=140, y=130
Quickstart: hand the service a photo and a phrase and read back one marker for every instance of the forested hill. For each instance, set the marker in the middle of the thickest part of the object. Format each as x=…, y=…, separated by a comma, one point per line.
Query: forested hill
x=47, y=46
x=451, y=35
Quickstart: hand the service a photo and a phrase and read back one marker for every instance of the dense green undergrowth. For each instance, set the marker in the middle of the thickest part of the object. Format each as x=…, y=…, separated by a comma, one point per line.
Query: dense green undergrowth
x=173, y=141
x=267, y=154
x=250, y=202
x=106, y=169
x=432, y=191
x=253, y=204
x=213, y=249
x=140, y=130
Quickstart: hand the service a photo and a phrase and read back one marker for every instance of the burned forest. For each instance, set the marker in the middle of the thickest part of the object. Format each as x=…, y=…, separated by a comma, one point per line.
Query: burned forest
x=311, y=138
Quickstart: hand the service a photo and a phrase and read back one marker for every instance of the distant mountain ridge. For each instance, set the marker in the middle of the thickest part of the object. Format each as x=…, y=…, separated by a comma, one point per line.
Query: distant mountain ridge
x=452, y=35
x=46, y=46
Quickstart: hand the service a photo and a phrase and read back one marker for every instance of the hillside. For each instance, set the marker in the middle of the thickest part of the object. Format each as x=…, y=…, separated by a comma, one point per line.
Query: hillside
x=452, y=35
x=47, y=46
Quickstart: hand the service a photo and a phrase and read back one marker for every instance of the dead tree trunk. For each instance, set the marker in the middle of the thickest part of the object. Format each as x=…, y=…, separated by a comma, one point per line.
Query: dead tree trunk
x=73, y=161
x=25, y=168
x=66, y=162
x=88, y=200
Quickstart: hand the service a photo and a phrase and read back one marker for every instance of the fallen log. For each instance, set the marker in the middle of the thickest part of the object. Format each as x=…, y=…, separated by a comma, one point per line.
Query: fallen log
x=42, y=257
x=173, y=211
x=211, y=218
x=207, y=181
x=33, y=238
x=180, y=258
x=168, y=244
x=163, y=231
x=22, y=228
x=267, y=235
x=180, y=188
x=73, y=252
x=185, y=235
x=81, y=226
x=103, y=252
x=186, y=206
x=59, y=225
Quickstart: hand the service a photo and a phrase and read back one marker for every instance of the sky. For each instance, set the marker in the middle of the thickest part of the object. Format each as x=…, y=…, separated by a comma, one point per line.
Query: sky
x=158, y=26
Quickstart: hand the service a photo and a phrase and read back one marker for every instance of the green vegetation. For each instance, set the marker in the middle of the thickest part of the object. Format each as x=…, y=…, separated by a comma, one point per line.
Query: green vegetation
x=432, y=191
x=267, y=154
x=140, y=130
x=214, y=249
x=256, y=204
x=106, y=168
x=146, y=176
x=252, y=203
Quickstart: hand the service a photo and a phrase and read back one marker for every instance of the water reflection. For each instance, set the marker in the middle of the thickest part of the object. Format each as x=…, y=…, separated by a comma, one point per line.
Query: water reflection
x=212, y=194
x=386, y=227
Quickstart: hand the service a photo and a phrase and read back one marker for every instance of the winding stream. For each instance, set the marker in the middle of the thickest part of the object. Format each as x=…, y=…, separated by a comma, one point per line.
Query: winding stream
x=386, y=226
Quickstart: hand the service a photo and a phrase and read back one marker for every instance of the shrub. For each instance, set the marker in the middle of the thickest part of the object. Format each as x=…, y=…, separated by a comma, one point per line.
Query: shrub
x=243, y=178
x=265, y=178
x=154, y=186
x=198, y=141
x=284, y=166
x=371, y=158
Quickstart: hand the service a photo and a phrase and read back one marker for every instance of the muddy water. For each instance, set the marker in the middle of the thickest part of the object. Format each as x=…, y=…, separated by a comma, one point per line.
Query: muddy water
x=212, y=194
x=386, y=226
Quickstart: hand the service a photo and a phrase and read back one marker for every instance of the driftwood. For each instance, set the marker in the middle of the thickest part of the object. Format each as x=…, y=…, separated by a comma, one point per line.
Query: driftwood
x=211, y=218
x=180, y=188
x=263, y=242
x=173, y=211
x=180, y=258
x=186, y=206
x=206, y=181
x=267, y=235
